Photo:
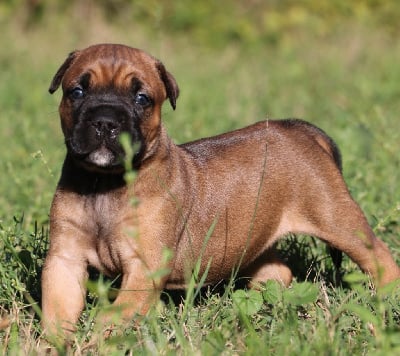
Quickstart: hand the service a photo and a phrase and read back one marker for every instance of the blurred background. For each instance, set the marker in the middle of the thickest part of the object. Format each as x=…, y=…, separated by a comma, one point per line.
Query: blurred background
x=334, y=63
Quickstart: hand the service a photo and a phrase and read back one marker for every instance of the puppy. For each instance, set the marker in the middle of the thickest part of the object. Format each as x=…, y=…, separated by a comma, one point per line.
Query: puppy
x=224, y=200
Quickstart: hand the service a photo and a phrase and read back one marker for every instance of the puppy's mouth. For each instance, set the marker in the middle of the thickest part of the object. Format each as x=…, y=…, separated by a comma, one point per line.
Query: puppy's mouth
x=101, y=156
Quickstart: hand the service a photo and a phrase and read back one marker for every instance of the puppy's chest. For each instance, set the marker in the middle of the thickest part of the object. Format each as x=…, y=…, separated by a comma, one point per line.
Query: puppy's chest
x=100, y=209
x=106, y=218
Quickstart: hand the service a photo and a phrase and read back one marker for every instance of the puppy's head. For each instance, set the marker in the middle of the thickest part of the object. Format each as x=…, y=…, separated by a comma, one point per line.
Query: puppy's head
x=107, y=90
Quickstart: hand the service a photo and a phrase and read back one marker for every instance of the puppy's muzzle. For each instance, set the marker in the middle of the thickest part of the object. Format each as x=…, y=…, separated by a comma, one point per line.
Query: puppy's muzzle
x=95, y=138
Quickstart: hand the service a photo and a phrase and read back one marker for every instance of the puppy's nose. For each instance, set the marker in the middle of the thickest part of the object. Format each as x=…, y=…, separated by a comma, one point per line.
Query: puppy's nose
x=105, y=125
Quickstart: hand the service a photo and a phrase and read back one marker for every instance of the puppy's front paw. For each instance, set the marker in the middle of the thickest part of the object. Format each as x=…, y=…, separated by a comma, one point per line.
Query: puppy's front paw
x=113, y=321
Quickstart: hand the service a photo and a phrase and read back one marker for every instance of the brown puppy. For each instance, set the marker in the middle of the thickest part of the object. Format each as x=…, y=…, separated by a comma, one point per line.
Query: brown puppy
x=225, y=199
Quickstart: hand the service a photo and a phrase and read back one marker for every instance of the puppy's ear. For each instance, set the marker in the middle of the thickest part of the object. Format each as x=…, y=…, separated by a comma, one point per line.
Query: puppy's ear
x=55, y=83
x=170, y=84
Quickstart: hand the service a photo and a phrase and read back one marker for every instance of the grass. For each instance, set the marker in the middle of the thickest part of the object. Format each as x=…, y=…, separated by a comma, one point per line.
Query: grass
x=346, y=82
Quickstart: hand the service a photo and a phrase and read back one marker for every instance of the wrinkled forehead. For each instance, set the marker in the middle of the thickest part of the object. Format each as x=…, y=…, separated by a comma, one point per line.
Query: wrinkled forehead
x=112, y=66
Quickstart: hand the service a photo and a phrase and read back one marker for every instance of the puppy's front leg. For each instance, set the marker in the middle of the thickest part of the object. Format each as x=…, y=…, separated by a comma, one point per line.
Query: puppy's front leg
x=63, y=293
x=139, y=290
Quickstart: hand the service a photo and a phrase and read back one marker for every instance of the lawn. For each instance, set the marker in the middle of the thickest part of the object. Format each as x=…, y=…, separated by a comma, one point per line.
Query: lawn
x=343, y=76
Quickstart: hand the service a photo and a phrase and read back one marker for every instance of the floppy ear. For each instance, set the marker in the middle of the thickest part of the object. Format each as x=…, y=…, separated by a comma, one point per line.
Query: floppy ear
x=55, y=83
x=170, y=84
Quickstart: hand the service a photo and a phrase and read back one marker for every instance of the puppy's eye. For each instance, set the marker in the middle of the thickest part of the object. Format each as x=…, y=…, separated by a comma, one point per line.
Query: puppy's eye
x=142, y=99
x=76, y=93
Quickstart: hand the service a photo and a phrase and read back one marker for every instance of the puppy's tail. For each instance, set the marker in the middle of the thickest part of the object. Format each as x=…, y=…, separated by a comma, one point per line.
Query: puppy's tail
x=330, y=147
x=326, y=143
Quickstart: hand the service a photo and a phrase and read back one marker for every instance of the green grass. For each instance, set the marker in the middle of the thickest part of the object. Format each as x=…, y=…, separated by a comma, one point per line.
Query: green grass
x=346, y=82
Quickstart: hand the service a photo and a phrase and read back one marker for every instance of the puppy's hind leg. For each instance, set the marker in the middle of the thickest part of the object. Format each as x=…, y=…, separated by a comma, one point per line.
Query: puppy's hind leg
x=343, y=226
x=268, y=266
